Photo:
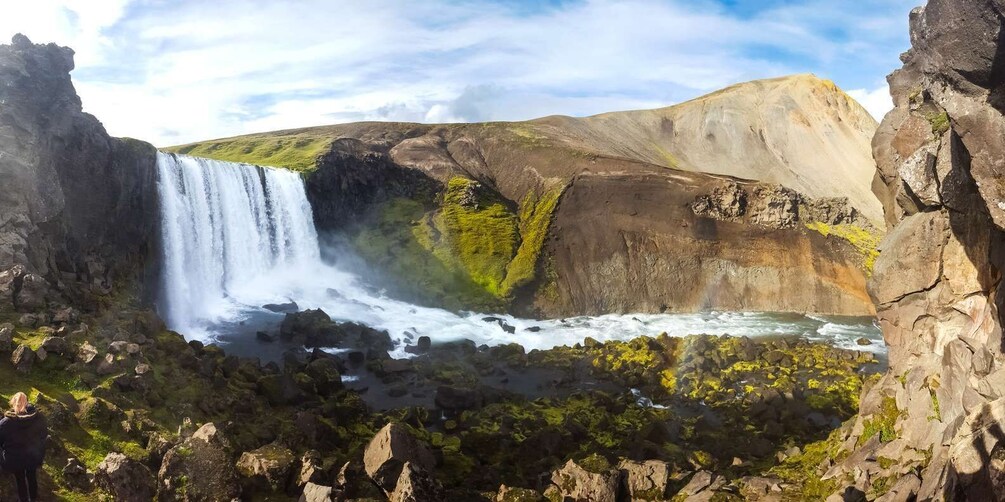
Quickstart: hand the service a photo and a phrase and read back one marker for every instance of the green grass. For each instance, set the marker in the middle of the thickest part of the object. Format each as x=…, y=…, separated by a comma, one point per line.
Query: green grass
x=297, y=152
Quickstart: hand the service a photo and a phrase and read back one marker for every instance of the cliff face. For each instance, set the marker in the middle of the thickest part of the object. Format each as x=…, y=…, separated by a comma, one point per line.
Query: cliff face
x=937, y=416
x=77, y=207
x=619, y=212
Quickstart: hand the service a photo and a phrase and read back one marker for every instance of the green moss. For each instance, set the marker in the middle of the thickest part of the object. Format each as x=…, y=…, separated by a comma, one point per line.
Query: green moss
x=406, y=241
x=482, y=232
x=535, y=220
x=882, y=422
x=940, y=123
x=936, y=412
x=865, y=241
x=801, y=470
x=296, y=151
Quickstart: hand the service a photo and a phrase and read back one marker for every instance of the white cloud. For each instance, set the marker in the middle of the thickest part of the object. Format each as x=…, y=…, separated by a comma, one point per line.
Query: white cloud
x=877, y=101
x=173, y=72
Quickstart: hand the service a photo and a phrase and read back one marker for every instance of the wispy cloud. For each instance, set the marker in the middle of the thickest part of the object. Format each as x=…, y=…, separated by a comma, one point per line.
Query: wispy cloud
x=172, y=72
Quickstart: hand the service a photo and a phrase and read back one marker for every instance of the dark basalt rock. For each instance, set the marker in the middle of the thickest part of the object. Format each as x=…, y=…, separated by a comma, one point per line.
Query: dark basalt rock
x=76, y=202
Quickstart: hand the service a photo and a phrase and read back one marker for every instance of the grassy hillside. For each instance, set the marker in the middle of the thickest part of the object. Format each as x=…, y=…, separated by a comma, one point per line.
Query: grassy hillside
x=296, y=150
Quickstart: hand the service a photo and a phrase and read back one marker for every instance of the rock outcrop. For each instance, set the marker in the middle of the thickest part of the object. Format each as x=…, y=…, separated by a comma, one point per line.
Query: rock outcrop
x=77, y=208
x=932, y=428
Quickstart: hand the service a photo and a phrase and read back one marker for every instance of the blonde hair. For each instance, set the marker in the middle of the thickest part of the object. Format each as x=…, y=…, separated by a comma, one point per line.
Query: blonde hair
x=19, y=403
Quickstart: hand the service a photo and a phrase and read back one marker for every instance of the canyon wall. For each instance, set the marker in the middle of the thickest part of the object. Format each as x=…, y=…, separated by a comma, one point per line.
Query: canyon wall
x=77, y=208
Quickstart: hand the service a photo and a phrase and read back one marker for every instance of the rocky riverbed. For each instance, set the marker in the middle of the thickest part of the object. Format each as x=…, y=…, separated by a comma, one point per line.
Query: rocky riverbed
x=138, y=412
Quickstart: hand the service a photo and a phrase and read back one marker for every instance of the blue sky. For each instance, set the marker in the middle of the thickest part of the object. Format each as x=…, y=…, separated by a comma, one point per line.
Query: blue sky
x=177, y=71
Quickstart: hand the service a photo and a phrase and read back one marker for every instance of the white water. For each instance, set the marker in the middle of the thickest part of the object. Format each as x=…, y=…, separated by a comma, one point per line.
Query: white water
x=236, y=237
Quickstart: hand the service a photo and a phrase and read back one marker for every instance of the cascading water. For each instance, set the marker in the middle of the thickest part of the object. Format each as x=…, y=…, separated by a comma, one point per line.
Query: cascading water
x=236, y=237
x=223, y=224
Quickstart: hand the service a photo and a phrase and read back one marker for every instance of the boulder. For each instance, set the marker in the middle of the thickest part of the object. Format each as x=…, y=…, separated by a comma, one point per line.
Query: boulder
x=199, y=468
x=125, y=479
x=6, y=337
x=313, y=328
x=281, y=308
x=416, y=485
x=574, y=482
x=33, y=294
x=388, y=452
x=87, y=353
x=510, y=494
x=319, y=493
x=325, y=373
x=649, y=480
x=56, y=345
x=23, y=358
x=75, y=475
x=267, y=467
x=457, y=398
x=311, y=470
x=279, y=389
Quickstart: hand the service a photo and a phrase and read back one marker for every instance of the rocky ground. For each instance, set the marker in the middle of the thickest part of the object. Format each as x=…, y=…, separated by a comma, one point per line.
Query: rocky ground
x=138, y=413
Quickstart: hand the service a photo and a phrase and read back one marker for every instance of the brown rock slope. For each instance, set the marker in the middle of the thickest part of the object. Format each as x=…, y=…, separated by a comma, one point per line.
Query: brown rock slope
x=756, y=197
x=934, y=427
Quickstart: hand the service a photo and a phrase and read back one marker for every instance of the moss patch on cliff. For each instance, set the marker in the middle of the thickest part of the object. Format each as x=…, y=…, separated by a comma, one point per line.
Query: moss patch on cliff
x=481, y=231
x=405, y=242
x=298, y=152
x=865, y=241
x=469, y=249
x=535, y=221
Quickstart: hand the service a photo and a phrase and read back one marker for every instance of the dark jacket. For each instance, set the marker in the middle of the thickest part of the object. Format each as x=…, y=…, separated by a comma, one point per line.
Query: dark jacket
x=22, y=440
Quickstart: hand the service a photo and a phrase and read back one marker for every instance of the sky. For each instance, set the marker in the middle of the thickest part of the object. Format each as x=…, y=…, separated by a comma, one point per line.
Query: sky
x=177, y=71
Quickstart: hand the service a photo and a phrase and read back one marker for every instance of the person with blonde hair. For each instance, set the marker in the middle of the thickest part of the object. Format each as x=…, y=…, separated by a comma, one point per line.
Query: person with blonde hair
x=23, y=432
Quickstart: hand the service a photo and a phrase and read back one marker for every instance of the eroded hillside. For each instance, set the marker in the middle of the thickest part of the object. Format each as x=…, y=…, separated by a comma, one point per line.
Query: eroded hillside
x=735, y=201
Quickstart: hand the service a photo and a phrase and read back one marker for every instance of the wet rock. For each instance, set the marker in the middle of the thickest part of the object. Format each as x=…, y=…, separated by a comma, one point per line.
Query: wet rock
x=313, y=328
x=456, y=398
x=864, y=341
x=125, y=479
x=23, y=358
x=649, y=480
x=281, y=308
x=389, y=450
x=264, y=337
x=326, y=375
x=268, y=467
x=199, y=469
x=576, y=483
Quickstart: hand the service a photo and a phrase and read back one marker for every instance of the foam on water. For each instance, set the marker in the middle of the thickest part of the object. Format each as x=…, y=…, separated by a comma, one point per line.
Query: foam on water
x=237, y=237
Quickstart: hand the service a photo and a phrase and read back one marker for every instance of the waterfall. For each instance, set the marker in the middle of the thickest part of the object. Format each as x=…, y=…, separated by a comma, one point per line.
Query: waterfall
x=224, y=225
x=236, y=237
